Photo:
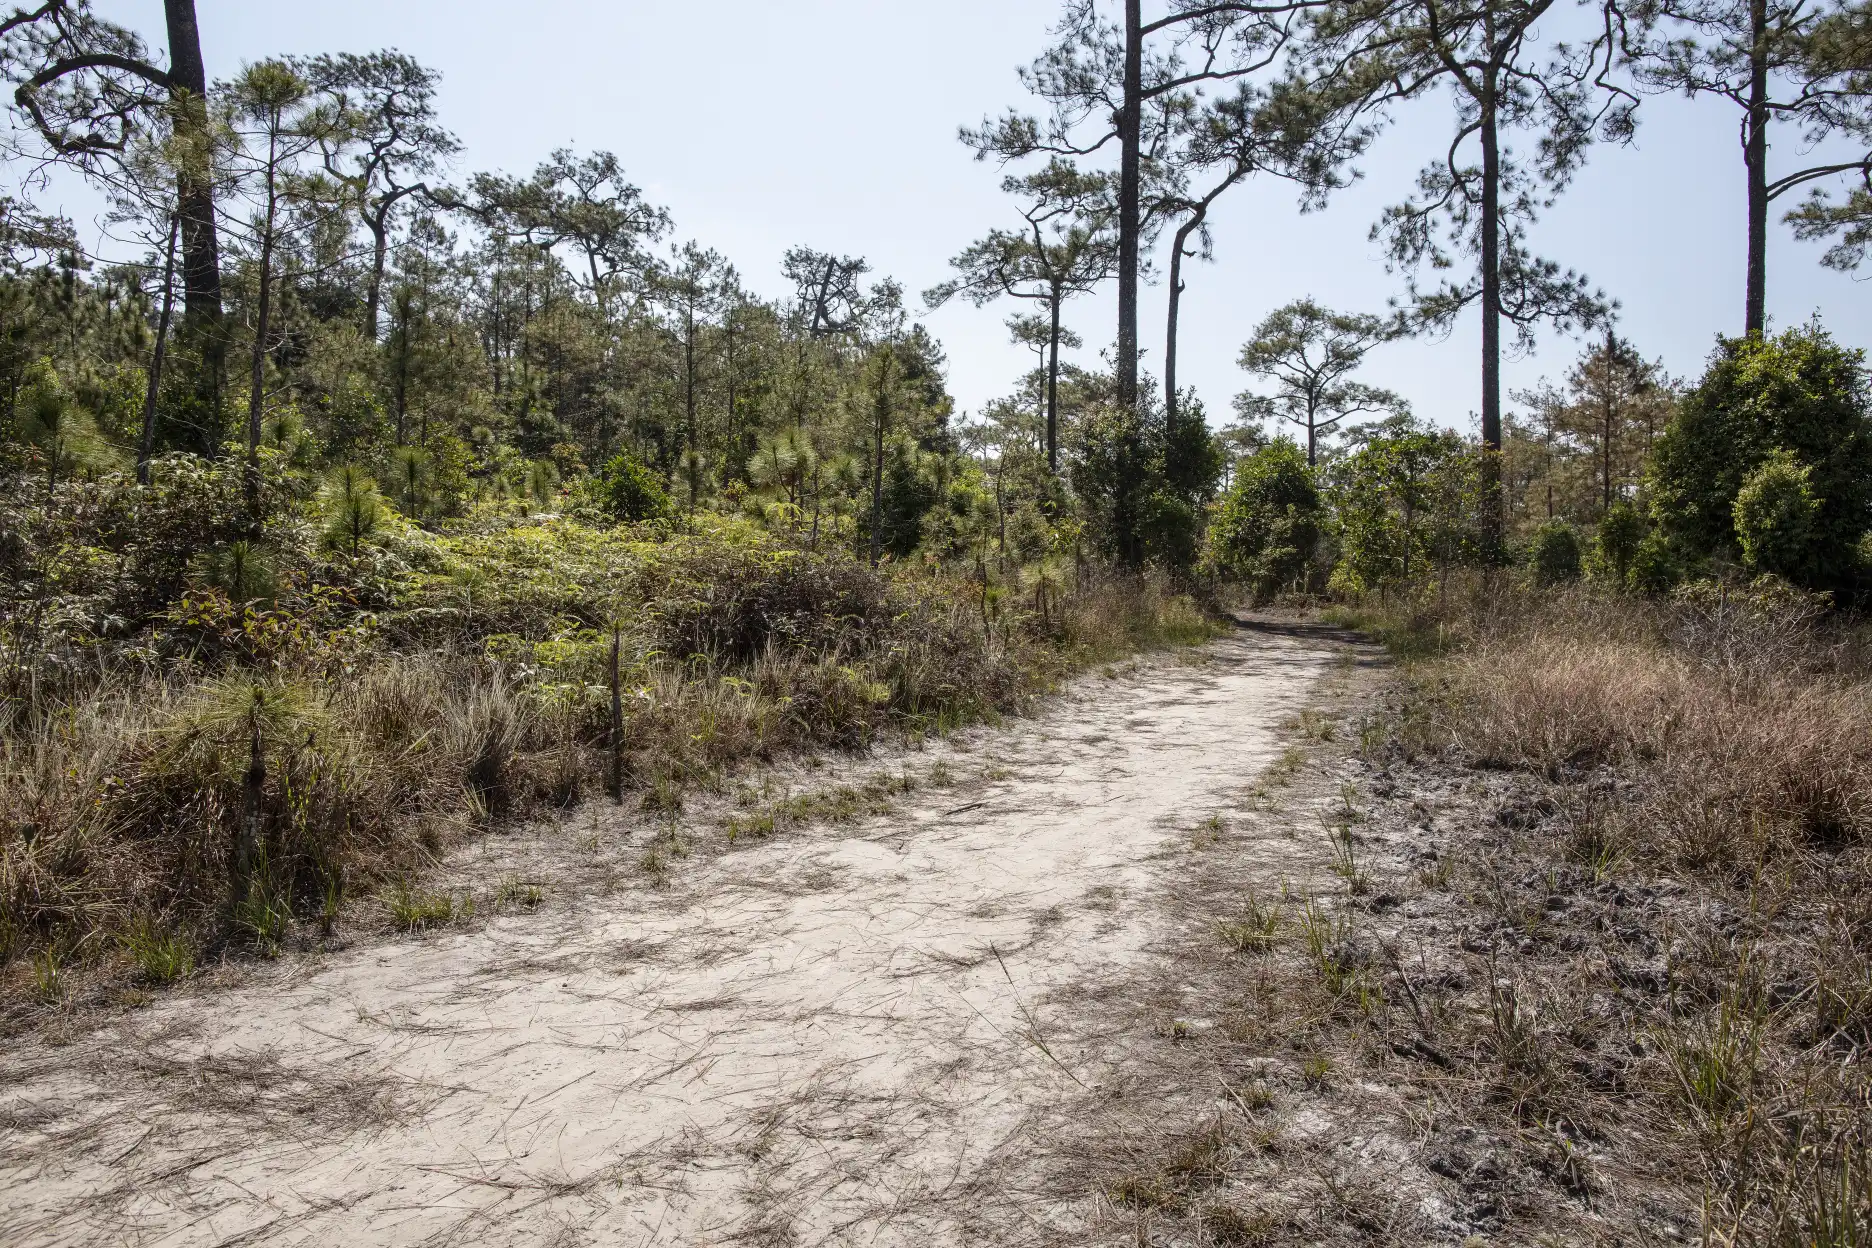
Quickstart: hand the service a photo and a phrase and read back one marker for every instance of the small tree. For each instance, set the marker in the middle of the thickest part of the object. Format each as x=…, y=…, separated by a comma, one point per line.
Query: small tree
x=1268, y=526
x=1655, y=567
x=1310, y=352
x=1610, y=410
x=353, y=508
x=1478, y=198
x=279, y=123
x=412, y=477
x=1063, y=250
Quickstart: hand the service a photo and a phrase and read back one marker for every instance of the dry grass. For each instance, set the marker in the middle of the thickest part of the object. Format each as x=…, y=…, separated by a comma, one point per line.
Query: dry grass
x=1714, y=752
x=1585, y=956
x=149, y=813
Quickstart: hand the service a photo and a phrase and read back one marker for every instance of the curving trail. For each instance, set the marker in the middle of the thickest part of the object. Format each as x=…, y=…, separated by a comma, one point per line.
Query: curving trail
x=832, y=1037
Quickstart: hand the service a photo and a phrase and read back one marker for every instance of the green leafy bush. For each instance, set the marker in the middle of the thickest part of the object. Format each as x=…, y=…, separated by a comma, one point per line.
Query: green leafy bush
x=632, y=492
x=1616, y=542
x=1655, y=567
x=1142, y=485
x=1775, y=512
x=1799, y=393
x=1554, y=554
x=1268, y=526
x=1407, y=505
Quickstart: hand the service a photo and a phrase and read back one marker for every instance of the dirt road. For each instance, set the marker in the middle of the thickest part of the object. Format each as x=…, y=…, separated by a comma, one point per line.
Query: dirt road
x=832, y=1036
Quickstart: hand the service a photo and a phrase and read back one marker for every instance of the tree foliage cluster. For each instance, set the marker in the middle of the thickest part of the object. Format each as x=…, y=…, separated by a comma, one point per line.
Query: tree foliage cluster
x=1762, y=467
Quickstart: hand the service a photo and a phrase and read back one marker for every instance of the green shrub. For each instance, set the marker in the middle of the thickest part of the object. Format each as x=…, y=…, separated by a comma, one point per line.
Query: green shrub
x=1801, y=393
x=735, y=600
x=1268, y=526
x=1167, y=527
x=1406, y=505
x=1655, y=567
x=1554, y=554
x=1775, y=512
x=632, y=492
x=1616, y=542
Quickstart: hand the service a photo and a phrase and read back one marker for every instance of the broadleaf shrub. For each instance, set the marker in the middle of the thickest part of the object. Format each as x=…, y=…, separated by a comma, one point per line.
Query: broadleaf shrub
x=1615, y=543
x=1268, y=526
x=1554, y=555
x=1800, y=394
x=1775, y=514
x=631, y=491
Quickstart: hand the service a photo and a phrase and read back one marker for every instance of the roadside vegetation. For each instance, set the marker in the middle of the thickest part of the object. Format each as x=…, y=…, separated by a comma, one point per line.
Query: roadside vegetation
x=1663, y=861
x=1598, y=929
x=211, y=752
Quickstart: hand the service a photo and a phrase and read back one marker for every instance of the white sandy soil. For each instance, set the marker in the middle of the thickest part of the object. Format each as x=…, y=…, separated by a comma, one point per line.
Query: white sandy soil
x=830, y=1037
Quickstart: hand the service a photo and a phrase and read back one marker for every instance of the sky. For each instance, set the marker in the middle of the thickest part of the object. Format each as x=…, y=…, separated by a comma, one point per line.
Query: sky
x=764, y=124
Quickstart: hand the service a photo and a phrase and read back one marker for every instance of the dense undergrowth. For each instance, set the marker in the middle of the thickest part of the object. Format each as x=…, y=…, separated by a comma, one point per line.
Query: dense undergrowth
x=208, y=752
x=1712, y=751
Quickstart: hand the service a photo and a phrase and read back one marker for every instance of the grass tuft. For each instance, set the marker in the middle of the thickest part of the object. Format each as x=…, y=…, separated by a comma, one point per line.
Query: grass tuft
x=161, y=956
x=1256, y=931
x=412, y=910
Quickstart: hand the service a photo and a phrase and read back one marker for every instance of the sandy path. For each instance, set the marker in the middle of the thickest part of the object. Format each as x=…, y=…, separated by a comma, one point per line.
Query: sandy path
x=831, y=1037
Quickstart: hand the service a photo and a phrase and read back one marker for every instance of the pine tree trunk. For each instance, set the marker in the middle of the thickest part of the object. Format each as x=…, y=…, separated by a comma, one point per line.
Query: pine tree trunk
x=146, y=444
x=1605, y=441
x=400, y=393
x=689, y=389
x=1756, y=156
x=256, y=398
x=1493, y=521
x=616, y=734
x=877, y=462
x=201, y=250
x=1170, y=321
x=1130, y=226
x=1052, y=412
x=1130, y=194
x=380, y=250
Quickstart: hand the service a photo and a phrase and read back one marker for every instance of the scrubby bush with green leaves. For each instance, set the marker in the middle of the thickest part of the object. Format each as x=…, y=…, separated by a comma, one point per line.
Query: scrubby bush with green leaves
x=1143, y=485
x=397, y=685
x=1554, y=556
x=1799, y=400
x=630, y=491
x=1775, y=514
x=1268, y=527
x=1657, y=566
x=1615, y=543
x=1406, y=507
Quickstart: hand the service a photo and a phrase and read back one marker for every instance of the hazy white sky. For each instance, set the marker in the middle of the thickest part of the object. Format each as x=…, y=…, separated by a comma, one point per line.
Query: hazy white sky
x=763, y=124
